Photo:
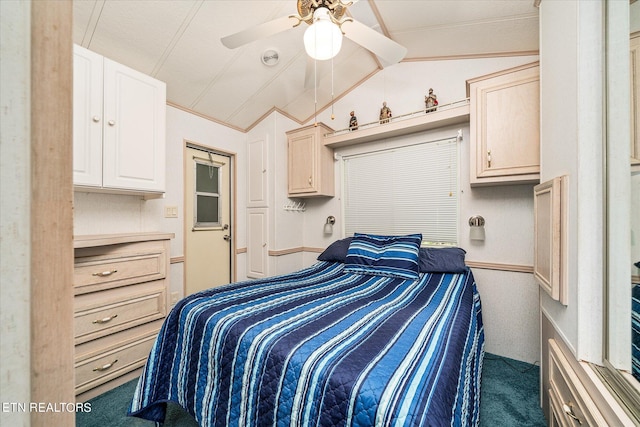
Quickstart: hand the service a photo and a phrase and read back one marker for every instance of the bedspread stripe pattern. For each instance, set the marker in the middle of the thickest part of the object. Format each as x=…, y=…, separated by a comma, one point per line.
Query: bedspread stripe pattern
x=321, y=347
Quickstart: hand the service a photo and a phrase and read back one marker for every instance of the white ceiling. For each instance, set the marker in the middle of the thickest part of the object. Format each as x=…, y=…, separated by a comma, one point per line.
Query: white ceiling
x=178, y=42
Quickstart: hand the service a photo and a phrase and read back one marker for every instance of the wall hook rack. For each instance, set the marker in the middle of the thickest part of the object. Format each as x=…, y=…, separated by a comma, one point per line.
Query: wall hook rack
x=295, y=206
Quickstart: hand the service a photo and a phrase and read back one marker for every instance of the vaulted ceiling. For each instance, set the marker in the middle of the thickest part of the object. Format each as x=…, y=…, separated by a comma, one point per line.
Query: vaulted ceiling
x=178, y=42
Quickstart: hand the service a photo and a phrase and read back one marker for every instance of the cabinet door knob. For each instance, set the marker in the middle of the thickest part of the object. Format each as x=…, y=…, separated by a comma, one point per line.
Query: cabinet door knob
x=111, y=123
x=105, y=273
x=96, y=119
x=568, y=409
x=489, y=158
x=310, y=181
x=104, y=367
x=105, y=319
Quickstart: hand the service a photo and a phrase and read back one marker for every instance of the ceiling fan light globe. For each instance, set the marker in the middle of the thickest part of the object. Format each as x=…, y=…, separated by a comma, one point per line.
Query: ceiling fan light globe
x=323, y=39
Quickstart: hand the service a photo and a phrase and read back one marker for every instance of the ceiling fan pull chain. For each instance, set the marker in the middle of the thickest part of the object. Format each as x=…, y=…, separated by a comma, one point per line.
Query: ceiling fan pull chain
x=315, y=92
x=332, y=115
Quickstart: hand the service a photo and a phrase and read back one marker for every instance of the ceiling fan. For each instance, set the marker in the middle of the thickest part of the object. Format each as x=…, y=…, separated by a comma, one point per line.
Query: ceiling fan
x=325, y=12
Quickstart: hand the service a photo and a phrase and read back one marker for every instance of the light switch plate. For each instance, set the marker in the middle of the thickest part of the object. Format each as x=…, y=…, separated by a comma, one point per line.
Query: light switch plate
x=171, y=212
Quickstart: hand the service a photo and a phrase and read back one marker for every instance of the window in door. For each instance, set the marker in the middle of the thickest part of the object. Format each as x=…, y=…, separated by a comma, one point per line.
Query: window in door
x=206, y=211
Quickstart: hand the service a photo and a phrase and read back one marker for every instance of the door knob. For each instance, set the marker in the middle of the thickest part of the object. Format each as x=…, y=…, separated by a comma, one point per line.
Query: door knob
x=227, y=237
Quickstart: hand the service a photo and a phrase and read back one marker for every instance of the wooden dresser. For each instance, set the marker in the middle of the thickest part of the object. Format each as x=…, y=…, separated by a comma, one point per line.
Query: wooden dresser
x=120, y=301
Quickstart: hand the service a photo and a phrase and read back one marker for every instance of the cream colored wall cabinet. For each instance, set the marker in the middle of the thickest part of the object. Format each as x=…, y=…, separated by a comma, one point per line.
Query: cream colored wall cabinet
x=120, y=301
x=118, y=127
x=505, y=127
x=550, y=248
x=310, y=162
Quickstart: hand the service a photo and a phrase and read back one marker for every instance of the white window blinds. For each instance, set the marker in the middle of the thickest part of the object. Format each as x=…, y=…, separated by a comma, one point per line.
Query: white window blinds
x=411, y=189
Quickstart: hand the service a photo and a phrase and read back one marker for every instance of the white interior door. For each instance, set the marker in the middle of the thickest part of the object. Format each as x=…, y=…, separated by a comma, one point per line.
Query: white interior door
x=207, y=220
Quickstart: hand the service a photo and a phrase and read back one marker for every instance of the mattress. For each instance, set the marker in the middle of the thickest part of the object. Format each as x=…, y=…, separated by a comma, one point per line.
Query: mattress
x=321, y=347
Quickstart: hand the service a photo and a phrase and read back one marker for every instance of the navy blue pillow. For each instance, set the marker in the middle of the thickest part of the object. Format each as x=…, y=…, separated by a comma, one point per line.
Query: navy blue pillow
x=391, y=256
x=337, y=251
x=442, y=260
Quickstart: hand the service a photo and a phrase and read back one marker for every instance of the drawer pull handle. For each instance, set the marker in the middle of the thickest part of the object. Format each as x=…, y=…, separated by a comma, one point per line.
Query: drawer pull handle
x=105, y=319
x=105, y=273
x=104, y=367
x=568, y=409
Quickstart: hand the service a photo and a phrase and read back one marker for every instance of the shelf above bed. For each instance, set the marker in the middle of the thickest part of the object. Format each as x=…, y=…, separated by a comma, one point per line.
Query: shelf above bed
x=446, y=115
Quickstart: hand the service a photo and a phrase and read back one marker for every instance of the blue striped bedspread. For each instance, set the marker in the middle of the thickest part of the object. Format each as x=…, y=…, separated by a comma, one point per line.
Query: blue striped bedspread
x=321, y=347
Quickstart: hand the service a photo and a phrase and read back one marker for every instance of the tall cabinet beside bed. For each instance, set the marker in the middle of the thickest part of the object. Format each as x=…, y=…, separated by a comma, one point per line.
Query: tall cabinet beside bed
x=120, y=287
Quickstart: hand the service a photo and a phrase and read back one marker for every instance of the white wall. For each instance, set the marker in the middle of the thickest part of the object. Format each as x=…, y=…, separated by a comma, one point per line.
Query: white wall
x=96, y=213
x=509, y=300
x=571, y=134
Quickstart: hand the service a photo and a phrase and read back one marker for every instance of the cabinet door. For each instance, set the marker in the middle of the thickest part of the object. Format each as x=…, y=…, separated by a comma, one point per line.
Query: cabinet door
x=134, y=129
x=549, y=244
x=505, y=127
x=257, y=173
x=87, y=117
x=302, y=163
x=257, y=243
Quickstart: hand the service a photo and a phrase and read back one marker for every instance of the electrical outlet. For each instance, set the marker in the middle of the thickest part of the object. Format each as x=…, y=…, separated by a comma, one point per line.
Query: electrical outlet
x=171, y=212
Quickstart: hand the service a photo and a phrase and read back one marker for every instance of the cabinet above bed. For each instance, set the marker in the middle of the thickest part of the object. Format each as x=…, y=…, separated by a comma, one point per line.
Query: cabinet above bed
x=505, y=127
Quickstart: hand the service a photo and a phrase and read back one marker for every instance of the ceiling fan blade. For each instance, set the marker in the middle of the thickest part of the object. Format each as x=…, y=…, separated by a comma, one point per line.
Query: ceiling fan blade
x=259, y=32
x=319, y=68
x=386, y=49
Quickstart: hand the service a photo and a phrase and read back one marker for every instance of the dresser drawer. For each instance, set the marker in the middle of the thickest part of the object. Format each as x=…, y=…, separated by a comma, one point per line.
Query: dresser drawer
x=96, y=273
x=570, y=401
x=113, y=362
x=97, y=314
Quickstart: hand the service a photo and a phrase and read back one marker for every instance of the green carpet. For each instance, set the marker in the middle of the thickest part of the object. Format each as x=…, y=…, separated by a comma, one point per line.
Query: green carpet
x=510, y=397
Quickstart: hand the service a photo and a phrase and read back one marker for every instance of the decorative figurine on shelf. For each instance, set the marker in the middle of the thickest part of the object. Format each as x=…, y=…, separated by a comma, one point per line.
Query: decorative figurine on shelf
x=385, y=113
x=353, y=121
x=430, y=102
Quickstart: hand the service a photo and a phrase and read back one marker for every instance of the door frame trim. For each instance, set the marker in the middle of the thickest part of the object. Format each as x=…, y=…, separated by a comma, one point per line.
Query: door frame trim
x=232, y=204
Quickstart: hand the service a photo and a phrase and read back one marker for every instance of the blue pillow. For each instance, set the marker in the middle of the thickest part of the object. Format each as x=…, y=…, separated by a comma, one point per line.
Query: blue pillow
x=442, y=260
x=391, y=256
x=337, y=251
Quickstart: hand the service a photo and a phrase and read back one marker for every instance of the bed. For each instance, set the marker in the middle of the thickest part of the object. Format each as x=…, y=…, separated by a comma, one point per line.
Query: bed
x=372, y=334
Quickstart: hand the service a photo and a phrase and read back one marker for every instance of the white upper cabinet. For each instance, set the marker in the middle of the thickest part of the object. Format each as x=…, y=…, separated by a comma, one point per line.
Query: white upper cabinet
x=119, y=127
x=257, y=178
x=87, y=117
